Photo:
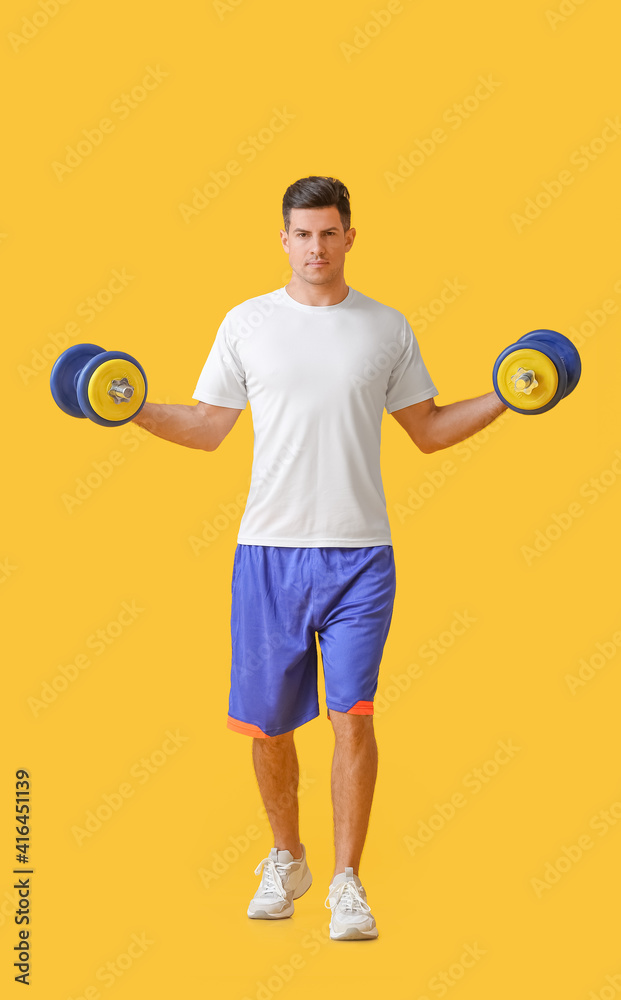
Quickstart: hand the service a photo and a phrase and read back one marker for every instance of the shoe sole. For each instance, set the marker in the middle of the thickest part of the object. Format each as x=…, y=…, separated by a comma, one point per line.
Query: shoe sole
x=262, y=915
x=354, y=934
x=303, y=887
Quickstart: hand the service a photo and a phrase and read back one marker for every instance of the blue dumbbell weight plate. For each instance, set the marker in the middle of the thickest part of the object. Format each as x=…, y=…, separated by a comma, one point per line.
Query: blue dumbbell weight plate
x=64, y=375
x=535, y=373
x=565, y=349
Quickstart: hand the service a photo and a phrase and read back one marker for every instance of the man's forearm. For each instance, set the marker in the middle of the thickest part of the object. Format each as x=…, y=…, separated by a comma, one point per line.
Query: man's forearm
x=455, y=422
x=176, y=422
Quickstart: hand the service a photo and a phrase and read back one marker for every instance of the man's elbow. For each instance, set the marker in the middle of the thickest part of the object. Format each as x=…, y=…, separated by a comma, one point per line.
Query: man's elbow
x=215, y=439
x=426, y=447
x=429, y=440
x=425, y=440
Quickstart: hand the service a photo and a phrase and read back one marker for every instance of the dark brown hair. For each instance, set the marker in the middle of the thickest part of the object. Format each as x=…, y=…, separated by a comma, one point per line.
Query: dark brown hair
x=317, y=192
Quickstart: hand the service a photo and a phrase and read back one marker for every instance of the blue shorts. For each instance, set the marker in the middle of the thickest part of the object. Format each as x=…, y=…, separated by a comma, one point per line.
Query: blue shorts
x=281, y=596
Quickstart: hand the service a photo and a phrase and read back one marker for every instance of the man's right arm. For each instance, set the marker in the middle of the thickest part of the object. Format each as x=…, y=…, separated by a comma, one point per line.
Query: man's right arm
x=201, y=426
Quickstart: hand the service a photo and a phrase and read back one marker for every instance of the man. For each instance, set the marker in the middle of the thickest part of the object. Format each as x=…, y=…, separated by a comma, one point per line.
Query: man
x=318, y=361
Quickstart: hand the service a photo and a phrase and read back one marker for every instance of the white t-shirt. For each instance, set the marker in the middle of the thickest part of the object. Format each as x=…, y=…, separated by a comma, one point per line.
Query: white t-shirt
x=317, y=379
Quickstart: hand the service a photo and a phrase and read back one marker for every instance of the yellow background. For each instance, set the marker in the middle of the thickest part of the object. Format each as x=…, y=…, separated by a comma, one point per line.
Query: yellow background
x=68, y=568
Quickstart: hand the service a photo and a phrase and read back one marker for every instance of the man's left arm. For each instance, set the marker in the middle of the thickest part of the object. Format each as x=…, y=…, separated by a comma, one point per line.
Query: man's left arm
x=432, y=427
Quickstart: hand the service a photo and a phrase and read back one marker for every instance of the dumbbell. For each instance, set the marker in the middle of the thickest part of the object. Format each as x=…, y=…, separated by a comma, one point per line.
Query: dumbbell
x=108, y=387
x=535, y=373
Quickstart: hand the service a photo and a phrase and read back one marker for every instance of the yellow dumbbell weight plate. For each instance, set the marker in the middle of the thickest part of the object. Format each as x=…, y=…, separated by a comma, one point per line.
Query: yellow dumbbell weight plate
x=99, y=386
x=545, y=373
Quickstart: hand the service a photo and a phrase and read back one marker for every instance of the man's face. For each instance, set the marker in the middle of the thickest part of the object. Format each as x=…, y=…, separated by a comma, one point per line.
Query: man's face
x=316, y=234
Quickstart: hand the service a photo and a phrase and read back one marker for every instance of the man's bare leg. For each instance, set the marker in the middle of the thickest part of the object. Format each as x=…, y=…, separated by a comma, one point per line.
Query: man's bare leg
x=354, y=770
x=276, y=766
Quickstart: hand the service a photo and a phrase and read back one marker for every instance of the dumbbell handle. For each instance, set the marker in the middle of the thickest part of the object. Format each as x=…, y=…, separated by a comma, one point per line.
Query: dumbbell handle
x=524, y=381
x=120, y=390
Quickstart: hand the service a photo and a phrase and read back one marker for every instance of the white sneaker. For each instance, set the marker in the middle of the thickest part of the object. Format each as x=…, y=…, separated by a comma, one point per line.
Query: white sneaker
x=284, y=879
x=351, y=914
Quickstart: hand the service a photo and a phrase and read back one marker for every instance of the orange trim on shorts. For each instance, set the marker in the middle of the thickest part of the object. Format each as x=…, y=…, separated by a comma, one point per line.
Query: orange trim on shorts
x=247, y=728
x=360, y=708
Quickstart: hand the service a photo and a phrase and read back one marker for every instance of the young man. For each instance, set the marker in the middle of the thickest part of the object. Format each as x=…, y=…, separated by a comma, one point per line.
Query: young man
x=318, y=361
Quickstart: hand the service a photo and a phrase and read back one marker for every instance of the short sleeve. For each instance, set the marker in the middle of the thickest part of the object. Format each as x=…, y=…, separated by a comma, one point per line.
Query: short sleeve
x=222, y=381
x=409, y=381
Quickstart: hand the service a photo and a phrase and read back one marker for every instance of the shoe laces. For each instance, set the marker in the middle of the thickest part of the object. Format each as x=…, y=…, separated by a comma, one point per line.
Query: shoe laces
x=273, y=874
x=347, y=896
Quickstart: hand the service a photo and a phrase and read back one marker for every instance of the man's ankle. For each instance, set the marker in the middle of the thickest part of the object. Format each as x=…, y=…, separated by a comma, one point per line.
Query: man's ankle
x=296, y=852
x=341, y=871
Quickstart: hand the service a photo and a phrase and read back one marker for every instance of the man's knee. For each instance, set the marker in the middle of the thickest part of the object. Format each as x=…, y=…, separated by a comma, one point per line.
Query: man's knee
x=351, y=727
x=273, y=743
